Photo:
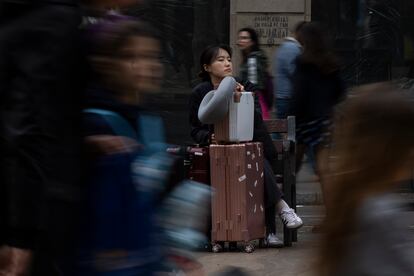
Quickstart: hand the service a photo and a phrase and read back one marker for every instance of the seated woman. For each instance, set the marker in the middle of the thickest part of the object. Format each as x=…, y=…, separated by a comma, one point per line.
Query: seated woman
x=215, y=65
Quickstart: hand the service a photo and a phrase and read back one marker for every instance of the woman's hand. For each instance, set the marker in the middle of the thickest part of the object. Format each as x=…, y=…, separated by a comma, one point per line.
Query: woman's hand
x=239, y=88
x=213, y=139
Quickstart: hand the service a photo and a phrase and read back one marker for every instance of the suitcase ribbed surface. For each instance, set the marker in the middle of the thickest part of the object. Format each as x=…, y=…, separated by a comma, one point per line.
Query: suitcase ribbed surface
x=237, y=204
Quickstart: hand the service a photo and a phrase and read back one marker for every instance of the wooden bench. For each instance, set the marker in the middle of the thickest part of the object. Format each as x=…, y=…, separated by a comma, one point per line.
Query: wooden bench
x=283, y=132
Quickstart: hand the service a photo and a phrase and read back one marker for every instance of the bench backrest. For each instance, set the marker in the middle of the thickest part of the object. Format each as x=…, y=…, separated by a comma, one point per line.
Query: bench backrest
x=285, y=129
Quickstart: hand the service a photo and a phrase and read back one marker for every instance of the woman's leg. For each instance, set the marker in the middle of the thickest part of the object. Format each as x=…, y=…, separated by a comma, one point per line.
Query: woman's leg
x=273, y=198
x=272, y=195
x=272, y=192
x=270, y=219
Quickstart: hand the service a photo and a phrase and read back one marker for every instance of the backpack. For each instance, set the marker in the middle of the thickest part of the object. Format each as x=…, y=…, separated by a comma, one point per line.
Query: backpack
x=123, y=190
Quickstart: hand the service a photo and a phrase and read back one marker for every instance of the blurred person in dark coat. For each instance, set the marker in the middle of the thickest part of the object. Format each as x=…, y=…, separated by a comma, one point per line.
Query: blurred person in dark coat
x=41, y=86
x=317, y=89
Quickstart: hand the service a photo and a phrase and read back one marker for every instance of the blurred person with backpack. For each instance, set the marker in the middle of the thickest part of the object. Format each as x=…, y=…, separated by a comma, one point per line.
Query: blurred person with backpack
x=131, y=179
x=123, y=54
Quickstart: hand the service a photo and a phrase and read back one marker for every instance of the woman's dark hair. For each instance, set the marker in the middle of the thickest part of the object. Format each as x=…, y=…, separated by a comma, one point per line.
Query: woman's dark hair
x=255, y=39
x=316, y=48
x=208, y=55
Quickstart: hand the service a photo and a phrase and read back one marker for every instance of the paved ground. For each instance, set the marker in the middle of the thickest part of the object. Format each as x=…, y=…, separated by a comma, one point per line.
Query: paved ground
x=296, y=260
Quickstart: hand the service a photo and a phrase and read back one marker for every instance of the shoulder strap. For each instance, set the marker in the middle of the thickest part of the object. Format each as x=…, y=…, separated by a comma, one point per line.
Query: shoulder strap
x=118, y=124
x=151, y=129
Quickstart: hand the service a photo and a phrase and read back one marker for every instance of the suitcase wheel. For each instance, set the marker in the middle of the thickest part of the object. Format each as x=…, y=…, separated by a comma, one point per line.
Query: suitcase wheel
x=216, y=248
x=233, y=246
x=249, y=248
x=262, y=243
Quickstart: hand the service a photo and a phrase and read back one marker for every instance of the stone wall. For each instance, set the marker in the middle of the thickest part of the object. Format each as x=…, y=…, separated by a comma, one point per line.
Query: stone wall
x=272, y=19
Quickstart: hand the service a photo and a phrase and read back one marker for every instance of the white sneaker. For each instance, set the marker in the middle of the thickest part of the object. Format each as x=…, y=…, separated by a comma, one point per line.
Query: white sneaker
x=290, y=219
x=273, y=241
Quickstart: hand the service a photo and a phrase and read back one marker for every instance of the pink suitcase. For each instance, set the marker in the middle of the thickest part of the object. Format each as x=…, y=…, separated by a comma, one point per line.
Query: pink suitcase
x=238, y=200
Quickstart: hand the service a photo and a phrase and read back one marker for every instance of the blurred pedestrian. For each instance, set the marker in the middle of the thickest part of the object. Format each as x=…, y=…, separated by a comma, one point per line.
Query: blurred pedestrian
x=125, y=62
x=284, y=66
x=366, y=228
x=119, y=233
x=317, y=88
x=215, y=63
x=254, y=69
x=41, y=84
x=136, y=209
